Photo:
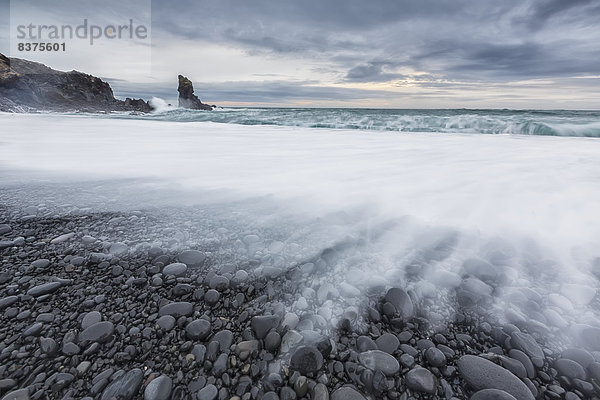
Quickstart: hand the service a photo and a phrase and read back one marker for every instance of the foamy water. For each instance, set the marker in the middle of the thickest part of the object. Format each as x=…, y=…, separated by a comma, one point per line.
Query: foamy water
x=536, y=197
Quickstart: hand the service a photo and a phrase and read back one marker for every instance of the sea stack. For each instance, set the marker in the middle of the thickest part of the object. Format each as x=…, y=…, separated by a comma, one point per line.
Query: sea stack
x=187, y=98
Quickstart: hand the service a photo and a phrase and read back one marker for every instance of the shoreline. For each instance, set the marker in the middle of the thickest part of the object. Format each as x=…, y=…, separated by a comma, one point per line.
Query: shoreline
x=233, y=327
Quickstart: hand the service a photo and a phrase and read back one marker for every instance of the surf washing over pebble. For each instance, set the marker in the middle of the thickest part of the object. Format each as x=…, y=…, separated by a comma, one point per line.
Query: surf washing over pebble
x=494, y=220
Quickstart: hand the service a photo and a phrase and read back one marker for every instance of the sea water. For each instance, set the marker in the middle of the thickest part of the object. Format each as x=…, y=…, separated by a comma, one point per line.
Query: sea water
x=525, y=200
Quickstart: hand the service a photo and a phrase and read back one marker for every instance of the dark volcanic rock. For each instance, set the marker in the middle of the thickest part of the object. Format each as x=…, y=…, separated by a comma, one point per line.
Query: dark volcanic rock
x=98, y=332
x=421, y=380
x=45, y=288
x=198, y=329
x=378, y=360
x=159, y=389
x=307, y=359
x=492, y=394
x=125, y=387
x=401, y=302
x=176, y=309
x=27, y=85
x=347, y=393
x=187, y=98
x=261, y=325
x=483, y=374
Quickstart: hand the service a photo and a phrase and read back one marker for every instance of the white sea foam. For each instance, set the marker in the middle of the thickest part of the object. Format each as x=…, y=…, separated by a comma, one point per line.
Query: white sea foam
x=534, y=196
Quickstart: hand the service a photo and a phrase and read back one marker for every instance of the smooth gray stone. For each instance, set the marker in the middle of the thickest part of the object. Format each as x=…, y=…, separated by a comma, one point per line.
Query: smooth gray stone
x=33, y=330
x=45, y=288
x=166, y=322
x=91, y=318
x=4, y=229
x=62, y=238
x=378, y=360
x=365, y=343
x=209, y=392
x=191, y=257
x=198, y=329
x=159, y=388
x=125, y=387
x=48, y=346
x=387, y=343
x=118, y=249
x=483, y=374
x=581, y=356
x=306, y=360
x=527, y=344
x=492, y=394
x=569, y=368
x=8, y=301
x=525, y=360
x=590, y=338
x=320, y=392
x=177, y=309
x=435, y=357
x=19, y=394
x=42, y=263
x=421, y=380
x=262, y=324
x=401, y=301
x=98, y=332
x=176, y=269
x=347, y=393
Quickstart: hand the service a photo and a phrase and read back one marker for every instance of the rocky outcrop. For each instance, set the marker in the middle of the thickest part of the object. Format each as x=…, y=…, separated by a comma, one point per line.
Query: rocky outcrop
x=28, y=86
x=187, y=98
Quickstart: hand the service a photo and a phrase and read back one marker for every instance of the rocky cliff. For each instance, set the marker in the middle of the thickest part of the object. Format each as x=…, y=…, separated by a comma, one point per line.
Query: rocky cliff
x=187, y=98
x=30, y=86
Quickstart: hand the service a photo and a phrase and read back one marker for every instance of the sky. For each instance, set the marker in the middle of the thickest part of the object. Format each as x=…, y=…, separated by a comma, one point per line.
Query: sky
x=339, y=53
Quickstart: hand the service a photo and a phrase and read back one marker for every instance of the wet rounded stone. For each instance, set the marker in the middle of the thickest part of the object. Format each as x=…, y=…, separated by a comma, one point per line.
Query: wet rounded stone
x=347, y=393
x=125, y=387
x=224, y=338
x=176, y=309
x=570, y=369
x=176, y=269
x=388, y=343
x=90, y=319
x=378, y=360
x=98, y=332
x=435, y=357
x=198, y=329
x=365, y=343
x=42, y=263
x=421, y=380
x=159, y=388
x=166, y=322
x=306, y=360
x=212, y=297
x=527, y=344
x=272, y=341
x=492, y=394
x=483, y=374
x=262, y=324
x=209, y=392
x=191, y=257
x=401, y=302
x=581, y=356
x=45, y=288
x=48, y=346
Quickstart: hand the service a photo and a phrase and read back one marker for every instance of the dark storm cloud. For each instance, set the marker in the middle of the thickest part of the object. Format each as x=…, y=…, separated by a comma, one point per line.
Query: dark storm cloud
x=452, y=39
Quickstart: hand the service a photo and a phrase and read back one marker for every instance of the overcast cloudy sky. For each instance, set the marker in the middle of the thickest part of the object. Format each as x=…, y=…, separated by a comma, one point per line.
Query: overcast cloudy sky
x=383, y=53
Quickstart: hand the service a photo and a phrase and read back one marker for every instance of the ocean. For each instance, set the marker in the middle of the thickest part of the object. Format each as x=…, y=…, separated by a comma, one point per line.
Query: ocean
x=521, y=122
x=516, y=191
